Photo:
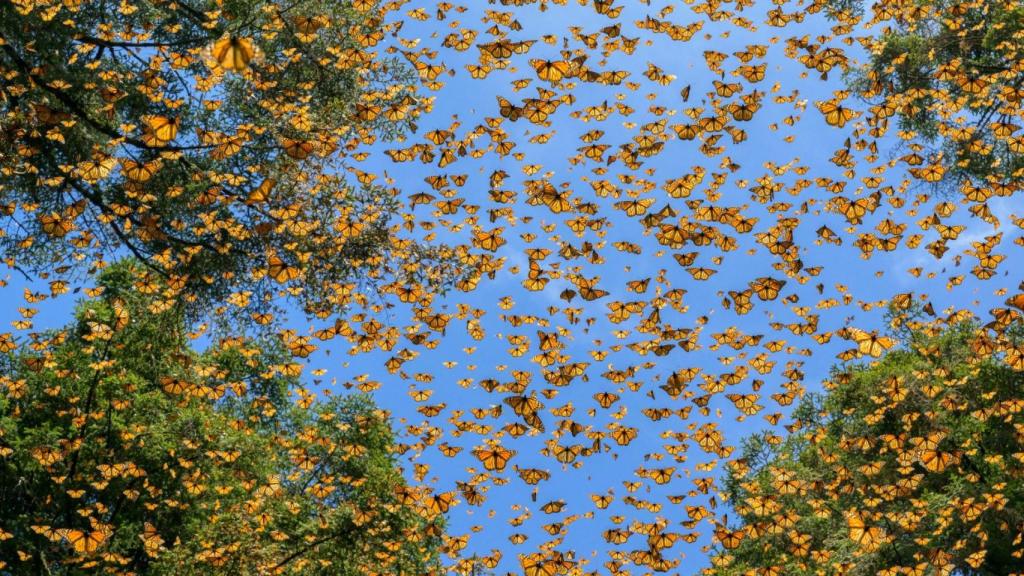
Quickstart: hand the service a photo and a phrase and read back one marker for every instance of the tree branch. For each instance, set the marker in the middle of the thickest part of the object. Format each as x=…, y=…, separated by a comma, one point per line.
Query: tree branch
x=98, y=202
x=94, y=41
x=82, y=114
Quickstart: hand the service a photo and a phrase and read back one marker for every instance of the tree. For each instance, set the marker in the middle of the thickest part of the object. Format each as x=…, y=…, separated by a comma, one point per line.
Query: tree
x=126, y=451
x=206, y=139
x=911, y=465
x=950, y=73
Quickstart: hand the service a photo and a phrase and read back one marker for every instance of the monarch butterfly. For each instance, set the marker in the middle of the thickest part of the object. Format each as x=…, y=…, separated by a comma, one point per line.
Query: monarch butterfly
x=441, y=503
x=566, y=454
x=700, y=273
x=301, y=348
x=261, y=194
x=55, y=225
x=730, y=539
x=494, y=458
x=726, y=89
x=367, y=112
x=262, y=318
x=742, y=112
x=537, y=110
x=473, y=496
x=767, y=288
x=48, y=115
x=613, y=77
x=121, y=315
x=835, y=115
x=448, y=450
x=588, y=292
x=227, y=147
x=934, y=460
x=233, y=53
x=175, y=385
x=594, y=151
x=85, y=542
x=686, y=131
x=306, y=27
x=753, y=73
x=1015, y=357
x=1016, y=144
x=162, y=129
x=536, y=565
x=460, y=42
x=478, y=72
x=151, y=540
x=408, y=293
x=557, y=202
x=602, y=501
x=139, y=172
x=553, y=507
x=349, y=228
x=624, y=435
x=551, y=71
x=499, y=50
x=868, y=538
x=712, y=123
x=871, y=343
x=430, y=411
x=971, y=85
x=280, y=271
x=489, y=240
x=532, y=476
x=523, y=405
x=661, y=475
x=746, y=403
x=536, y=284
x=46, y=455
x=616, y=536
x=297, y=149
x=1017, y=301
x=94, y=170
x=930, y=173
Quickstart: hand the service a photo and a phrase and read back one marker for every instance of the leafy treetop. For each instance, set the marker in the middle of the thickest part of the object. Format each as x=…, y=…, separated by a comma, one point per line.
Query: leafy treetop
x=126, y=451
x=208, y=139
x=912, y=465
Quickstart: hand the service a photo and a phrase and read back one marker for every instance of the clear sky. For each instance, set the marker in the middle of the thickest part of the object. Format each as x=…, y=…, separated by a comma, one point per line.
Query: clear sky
x=460, y=361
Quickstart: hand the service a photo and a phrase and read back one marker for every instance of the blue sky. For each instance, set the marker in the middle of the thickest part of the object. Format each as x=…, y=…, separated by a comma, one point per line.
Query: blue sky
x=459, y=362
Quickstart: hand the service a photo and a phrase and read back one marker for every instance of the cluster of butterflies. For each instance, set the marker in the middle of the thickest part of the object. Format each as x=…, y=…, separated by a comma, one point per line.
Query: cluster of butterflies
x=617, y=228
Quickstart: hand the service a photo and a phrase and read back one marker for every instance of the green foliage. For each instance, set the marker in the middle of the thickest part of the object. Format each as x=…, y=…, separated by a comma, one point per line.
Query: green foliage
x=926, y=446
x=186, y=462
x=949, y=72
x=122, y=131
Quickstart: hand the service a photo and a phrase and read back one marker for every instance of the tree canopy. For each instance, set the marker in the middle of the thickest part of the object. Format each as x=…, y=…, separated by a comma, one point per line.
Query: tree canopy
x=950, y=72
x=208, y=140
x=127, y=451
x=913, y=464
